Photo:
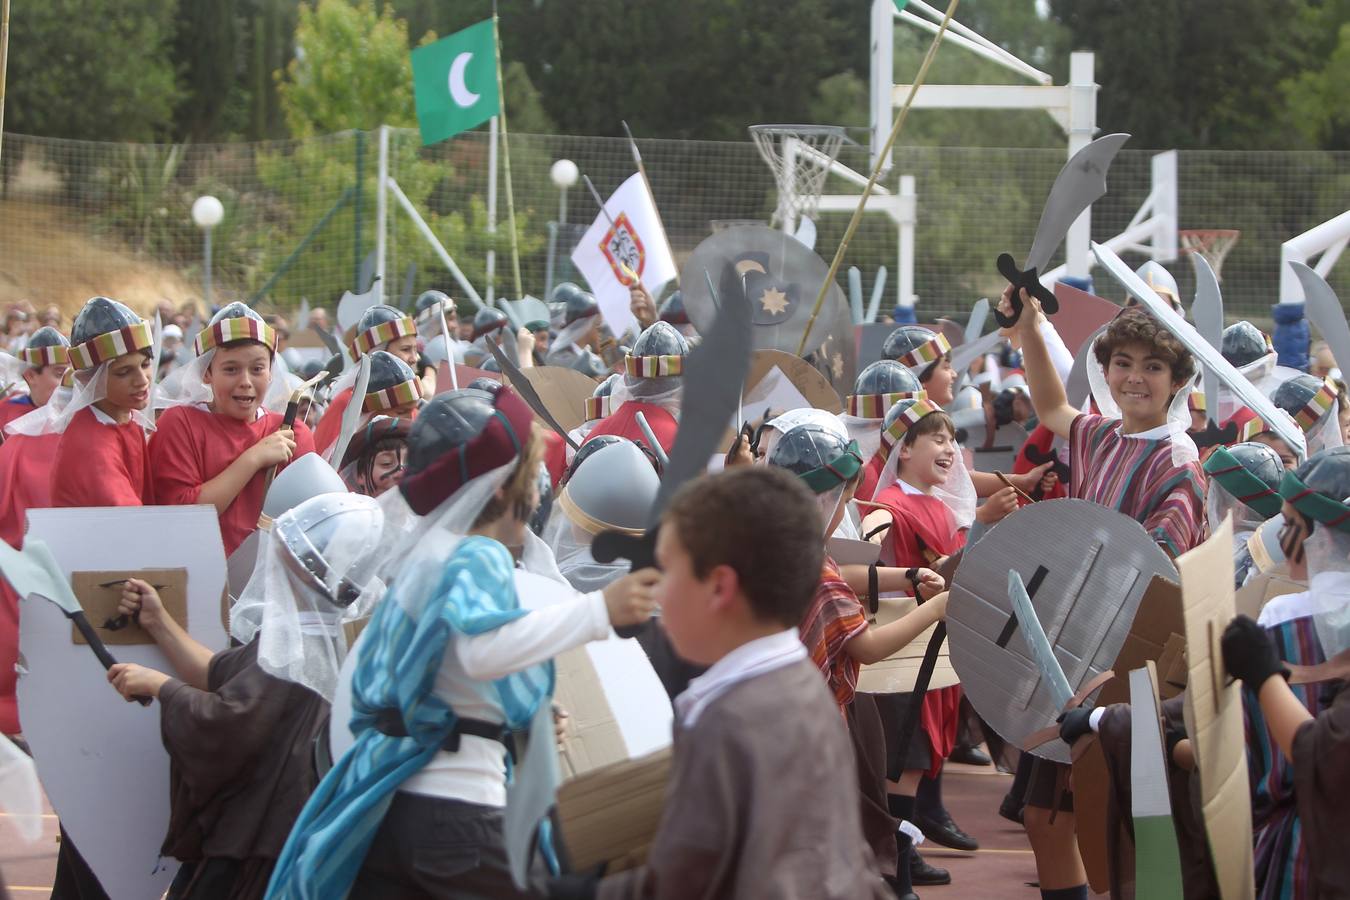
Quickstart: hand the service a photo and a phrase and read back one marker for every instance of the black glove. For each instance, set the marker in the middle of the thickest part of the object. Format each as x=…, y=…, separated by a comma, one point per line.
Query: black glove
x=573, y=887
x=1249, y=655
x=1074, y=724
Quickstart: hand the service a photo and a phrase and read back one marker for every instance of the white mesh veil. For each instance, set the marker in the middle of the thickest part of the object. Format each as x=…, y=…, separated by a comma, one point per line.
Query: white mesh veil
x=570, y=546
x=1328, y=550
x=958, y=493
x=1219, y=503
x=299, y=626
x=39, y=421
x=186, y=385
x=664, y=392
x=91, y=386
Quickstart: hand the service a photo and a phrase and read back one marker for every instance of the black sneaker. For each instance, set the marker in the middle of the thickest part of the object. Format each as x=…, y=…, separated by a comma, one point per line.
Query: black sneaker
x=946, y=832
x=921, y=873
x=970, y=756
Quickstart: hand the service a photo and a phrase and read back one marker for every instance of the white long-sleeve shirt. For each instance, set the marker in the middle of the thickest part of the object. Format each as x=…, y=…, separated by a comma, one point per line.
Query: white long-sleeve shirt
x=476, y=773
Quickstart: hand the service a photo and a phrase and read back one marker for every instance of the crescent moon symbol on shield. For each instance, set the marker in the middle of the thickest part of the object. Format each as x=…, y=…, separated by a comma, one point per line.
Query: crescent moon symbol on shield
x=459, y=92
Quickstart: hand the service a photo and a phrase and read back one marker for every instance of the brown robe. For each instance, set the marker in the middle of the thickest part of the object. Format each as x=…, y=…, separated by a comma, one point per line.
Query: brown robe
x=241, y=766
x=762, y=802
x=1197, y=869
x=1322, y=788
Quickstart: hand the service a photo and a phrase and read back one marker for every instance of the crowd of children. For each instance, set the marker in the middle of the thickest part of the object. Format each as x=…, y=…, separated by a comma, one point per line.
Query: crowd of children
x=787, y=779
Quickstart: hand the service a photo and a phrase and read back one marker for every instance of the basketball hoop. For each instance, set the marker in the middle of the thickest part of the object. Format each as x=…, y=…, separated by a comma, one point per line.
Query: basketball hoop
x=1211, y=243
x=724, y=224
x=800, y=157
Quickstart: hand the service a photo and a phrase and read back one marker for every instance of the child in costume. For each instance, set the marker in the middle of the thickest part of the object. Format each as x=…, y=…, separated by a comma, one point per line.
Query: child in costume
x=240, y=725
x=377, y=456
x=1294, y=855
x=840, y=640
x=380, y=328
x=452, y=664
x=878, y=387
x=102, y=459
x=393, y=390
x=754, y=807
x=217, y=444
x=45, y=362
x=1244, y=481
x=916, y=526
x=1138, y=461
x=651, y=385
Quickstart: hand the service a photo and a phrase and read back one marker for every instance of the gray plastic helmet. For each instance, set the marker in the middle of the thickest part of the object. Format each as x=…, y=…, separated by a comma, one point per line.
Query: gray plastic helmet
x=387, y=371
x=1295, y=395
x=1155, y=276
x=304, y=477
x=817, y=455
x=207, y=340
x=306, y=532
x=47, y=336
x=487, y=320
x=485, y=384
x=378, y=314
x=915, y=347
x=672, y=310
x=660, y=339
x=886, y=376
x=577, y=304
x=1244, y=344
x=428, y=300
x=587, y=363
x=100, y=315
x=611, y=490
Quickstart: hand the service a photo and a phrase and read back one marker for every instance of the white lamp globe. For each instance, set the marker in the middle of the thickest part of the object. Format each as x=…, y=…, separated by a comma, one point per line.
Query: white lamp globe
x=207, y=211
x=564, y=173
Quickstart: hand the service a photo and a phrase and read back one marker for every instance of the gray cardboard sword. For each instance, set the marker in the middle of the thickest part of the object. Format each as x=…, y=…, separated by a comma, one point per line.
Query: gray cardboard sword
x=1079, y=184
x=34, y=572
x=1324, y=311
x=1207, y=311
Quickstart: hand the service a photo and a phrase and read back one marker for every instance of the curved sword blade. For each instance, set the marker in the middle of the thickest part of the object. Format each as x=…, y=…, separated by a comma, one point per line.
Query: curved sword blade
x=1324, y=310
x=1078, y=185
x=1039, y=644
x=1207, y=311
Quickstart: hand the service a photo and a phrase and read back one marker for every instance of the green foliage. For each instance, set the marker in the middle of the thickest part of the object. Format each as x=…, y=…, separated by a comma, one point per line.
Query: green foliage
x=92, y=69
x=1315, y=99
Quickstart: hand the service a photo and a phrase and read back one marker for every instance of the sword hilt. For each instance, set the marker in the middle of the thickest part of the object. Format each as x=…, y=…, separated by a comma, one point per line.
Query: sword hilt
x=1019, y=279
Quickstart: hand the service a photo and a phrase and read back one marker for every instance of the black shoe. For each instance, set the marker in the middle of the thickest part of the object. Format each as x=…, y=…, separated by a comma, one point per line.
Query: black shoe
x=920, y=872
x=946, y=832
x=970, y=756
x=907, y=895
x=1011, y=809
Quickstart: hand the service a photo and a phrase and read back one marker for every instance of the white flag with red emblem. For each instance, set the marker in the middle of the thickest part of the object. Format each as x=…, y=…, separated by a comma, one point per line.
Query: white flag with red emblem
x=628, y=241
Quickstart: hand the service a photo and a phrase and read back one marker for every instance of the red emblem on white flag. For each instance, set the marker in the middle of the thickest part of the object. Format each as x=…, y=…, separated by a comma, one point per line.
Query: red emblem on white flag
x=622, y=247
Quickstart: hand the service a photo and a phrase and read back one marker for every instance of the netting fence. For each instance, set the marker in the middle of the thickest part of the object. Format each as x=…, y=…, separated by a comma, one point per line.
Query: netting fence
x=78, y=218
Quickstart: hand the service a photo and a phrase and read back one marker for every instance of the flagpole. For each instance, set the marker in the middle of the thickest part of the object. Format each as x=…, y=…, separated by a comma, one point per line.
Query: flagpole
x=4, y=60
x=642, y=170
x=492, y=211
x=506, y=155
x=876, y=173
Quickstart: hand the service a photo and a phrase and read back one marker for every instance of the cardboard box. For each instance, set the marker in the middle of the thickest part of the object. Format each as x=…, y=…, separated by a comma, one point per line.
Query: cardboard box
x=897, y=673
x=616, y=755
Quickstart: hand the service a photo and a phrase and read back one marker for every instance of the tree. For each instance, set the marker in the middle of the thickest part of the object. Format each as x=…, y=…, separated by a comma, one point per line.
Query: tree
x=92, y=69
x=206, y=50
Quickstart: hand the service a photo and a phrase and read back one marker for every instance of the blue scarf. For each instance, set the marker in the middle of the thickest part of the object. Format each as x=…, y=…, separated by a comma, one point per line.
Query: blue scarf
x=397, y=669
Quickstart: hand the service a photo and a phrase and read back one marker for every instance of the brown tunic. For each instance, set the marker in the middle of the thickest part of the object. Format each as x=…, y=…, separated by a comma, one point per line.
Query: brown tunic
x=762, y=802
x=1322, y=787
x=241, y=763
x=1197, y=869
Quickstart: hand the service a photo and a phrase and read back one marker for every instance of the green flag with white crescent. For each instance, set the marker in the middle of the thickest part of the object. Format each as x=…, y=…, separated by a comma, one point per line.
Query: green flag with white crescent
x=455, y=82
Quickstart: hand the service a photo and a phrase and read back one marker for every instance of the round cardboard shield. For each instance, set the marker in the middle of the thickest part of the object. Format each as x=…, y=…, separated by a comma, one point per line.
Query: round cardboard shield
x=782, y=277
x=101, y=759
x=804, y=377
x=1086, y=568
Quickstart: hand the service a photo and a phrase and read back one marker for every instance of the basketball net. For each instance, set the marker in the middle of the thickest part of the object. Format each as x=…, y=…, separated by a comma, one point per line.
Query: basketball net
x=800, y=157
x=1211, y=243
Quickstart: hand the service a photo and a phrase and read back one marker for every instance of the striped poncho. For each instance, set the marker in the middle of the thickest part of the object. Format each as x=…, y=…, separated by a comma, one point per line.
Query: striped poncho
x=1137, y=476
x=834, y=618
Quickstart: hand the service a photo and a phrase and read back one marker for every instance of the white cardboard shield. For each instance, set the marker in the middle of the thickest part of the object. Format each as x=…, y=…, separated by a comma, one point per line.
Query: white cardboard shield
x=100, y=758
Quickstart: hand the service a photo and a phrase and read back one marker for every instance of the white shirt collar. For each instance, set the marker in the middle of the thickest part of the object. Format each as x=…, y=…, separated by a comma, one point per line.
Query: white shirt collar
x=745, y=662
x=1328, y=591
x=907, y=487
x=1152, y=434
x=101, y=417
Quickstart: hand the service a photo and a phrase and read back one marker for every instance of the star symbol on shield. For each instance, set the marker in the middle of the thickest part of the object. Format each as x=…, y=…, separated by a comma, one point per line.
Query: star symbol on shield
x=774, y=301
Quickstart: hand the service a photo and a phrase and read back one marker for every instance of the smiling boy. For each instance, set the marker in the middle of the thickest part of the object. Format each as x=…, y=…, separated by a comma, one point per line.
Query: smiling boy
x=219, y=452
x=1141, y=464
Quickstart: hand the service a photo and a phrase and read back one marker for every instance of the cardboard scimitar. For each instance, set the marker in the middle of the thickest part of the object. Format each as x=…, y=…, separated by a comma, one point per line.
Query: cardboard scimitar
x=1079, y=184
x=1324, y=310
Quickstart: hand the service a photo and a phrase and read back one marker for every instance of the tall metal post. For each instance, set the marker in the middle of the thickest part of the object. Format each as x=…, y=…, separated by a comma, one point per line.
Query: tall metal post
x=492, y=210
x=360, y=195
x=381, y=212
x=1082, y=127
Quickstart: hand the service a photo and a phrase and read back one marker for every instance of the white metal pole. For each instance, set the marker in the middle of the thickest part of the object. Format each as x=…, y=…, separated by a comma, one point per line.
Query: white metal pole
x=1082, y=126
x=381, y=213
x=426, y=232
x=1326, y=238
x=206, y=272
x=492, y=207
x=881, y=77
x=905, y=255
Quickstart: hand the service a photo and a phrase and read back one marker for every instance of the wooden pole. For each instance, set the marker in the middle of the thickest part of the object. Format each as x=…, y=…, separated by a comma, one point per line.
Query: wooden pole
x=506, y=156
x=876, y=174
x=4, y=61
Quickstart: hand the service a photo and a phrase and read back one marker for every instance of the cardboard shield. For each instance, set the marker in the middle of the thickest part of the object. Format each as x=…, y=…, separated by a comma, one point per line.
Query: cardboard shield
x=782, y=277
x=563, y=392
x=804, y=377
x=1080, y=315
x=1086, y=568
x=101, y=759
x=1213, y=709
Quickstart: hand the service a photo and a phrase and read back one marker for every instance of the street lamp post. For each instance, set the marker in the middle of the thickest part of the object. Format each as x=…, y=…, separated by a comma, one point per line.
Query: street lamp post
x=563, y=173
x=207, y=211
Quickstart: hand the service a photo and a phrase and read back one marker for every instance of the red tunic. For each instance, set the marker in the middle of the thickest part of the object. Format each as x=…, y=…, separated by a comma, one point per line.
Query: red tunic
x=13, y=407
x=623, y=422
x=192, y=445
x=555, y=455
x=922, y=532
x=871, y=474
x=330, y=425
x=101, y=465
x=25, y=473
x=1041, y=438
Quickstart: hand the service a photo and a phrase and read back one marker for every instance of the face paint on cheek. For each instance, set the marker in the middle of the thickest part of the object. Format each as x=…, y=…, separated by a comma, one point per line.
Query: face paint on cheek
x=1292, y=536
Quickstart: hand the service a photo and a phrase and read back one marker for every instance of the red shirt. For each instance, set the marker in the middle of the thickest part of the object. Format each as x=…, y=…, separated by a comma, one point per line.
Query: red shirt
x=330, y=424
x=623, y=422
x=192, y=445
x=101, y=464
x=12, y=408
